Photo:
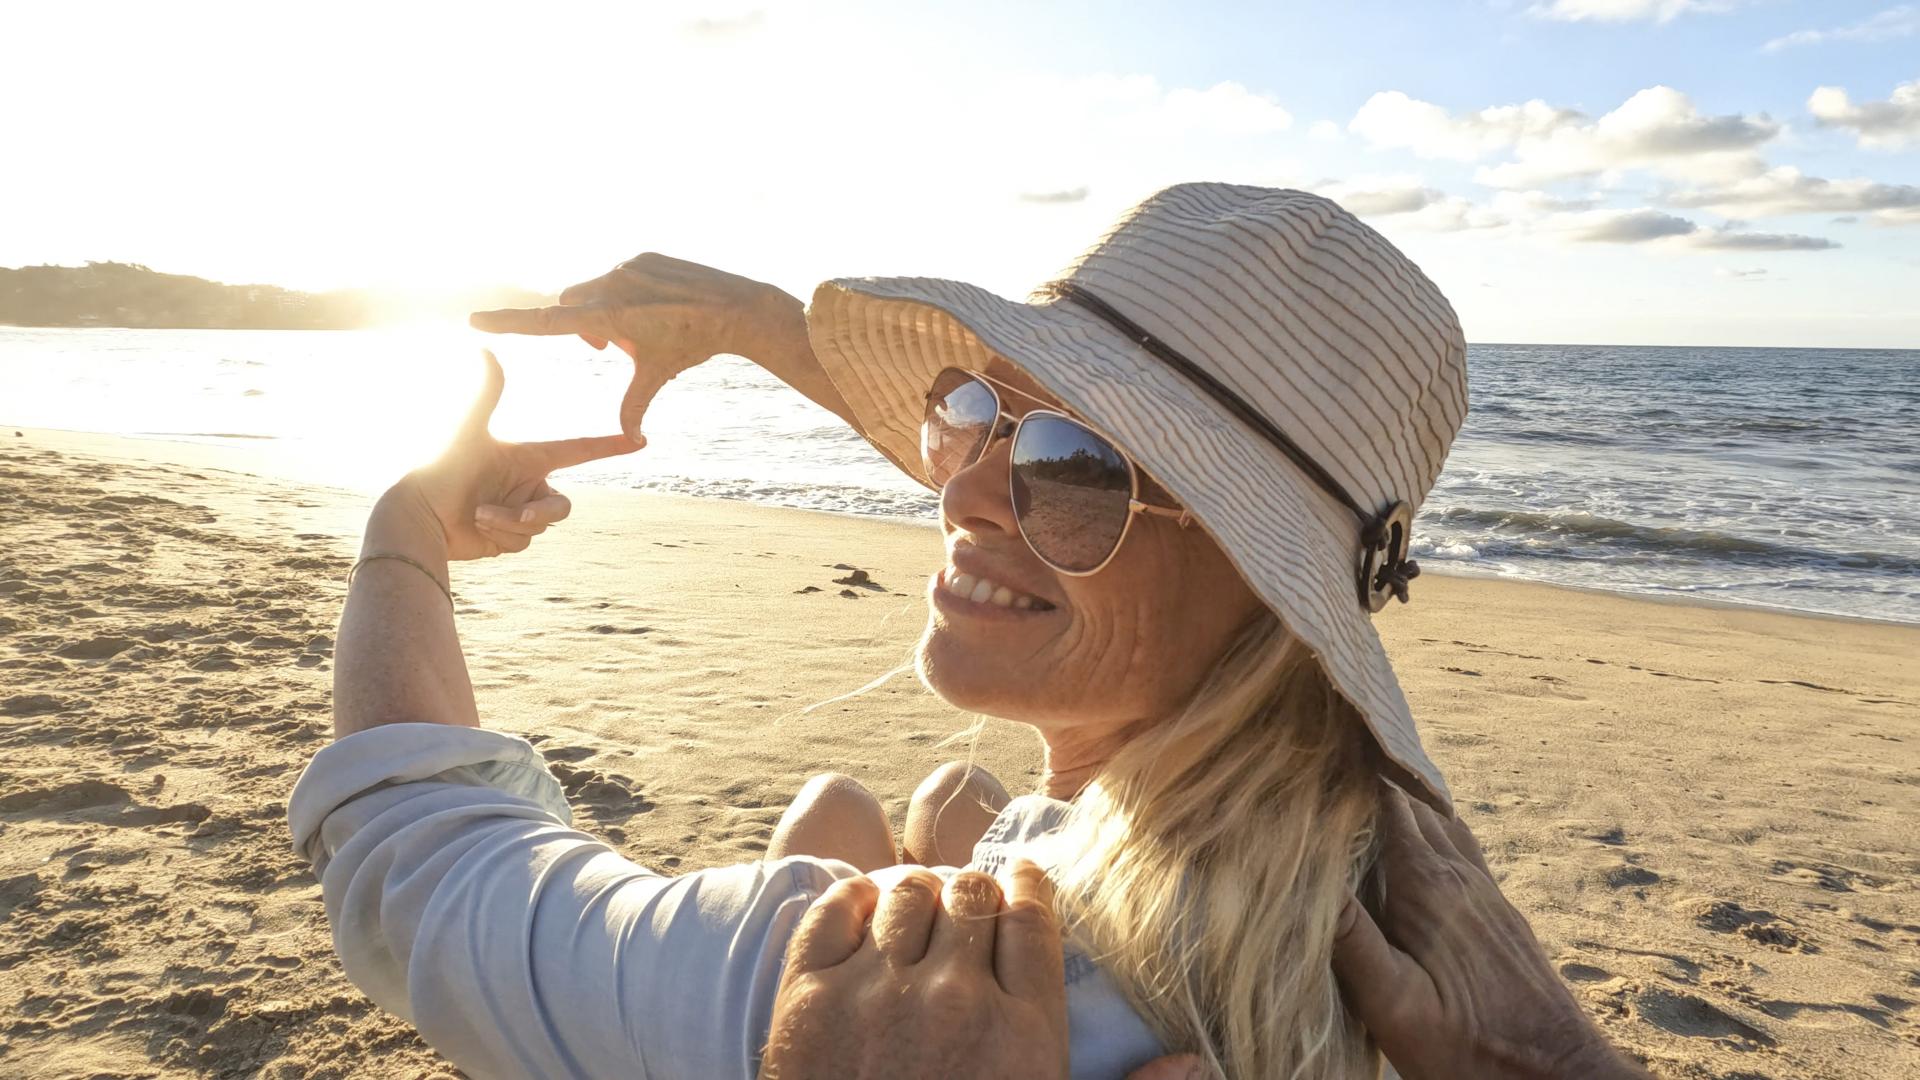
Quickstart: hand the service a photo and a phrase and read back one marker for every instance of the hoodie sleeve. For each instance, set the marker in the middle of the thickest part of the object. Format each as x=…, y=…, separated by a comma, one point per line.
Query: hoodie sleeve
x=462, y=900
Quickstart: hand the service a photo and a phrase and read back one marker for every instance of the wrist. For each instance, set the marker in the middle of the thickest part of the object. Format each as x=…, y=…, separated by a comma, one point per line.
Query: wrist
x=774, y=334
x=403, y=524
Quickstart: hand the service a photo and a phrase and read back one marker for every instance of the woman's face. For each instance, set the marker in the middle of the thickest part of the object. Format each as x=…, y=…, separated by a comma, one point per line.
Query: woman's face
x=1128, y=643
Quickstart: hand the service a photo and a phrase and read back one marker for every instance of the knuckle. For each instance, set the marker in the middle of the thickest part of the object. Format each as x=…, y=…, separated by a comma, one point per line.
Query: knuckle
x=973, y=892
x=951, y=996
x=1027, y=918
x=916, y=886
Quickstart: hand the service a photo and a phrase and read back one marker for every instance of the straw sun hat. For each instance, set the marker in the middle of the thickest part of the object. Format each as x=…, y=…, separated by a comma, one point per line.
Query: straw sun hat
x=1274, y=363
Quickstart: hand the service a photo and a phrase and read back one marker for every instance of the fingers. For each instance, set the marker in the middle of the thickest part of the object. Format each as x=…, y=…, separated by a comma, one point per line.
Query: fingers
x=648, y=378
x=505, y=542
x=1026, y=948
x=834, y=927
x=1177, y=1067
x=963, y=931
x=1465, y=843
x=560, y=319
x=529, y=518
x=904, y=922
x=1379, y=980
x=478, y=416
x=1401, y=840
x=1433, y=827
x=566, y=453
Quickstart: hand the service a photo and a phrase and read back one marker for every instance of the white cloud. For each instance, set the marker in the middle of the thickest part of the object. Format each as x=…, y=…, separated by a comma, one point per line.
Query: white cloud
x=1886, y=124
x=1623, y=226
x=1325, y=131
x=1755, y=274
x=1787, y=190
x=1895, y=22
x=1393, y=120
x=1643, y=226
x=1382, y=200
x=1731, y=240
x=1070, y=195
x=1226, y=108
x=1657, y=128
x=1625, y=10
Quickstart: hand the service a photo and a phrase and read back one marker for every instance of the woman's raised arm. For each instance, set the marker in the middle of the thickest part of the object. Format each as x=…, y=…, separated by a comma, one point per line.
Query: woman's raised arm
x=669, y=315
x=398, y=659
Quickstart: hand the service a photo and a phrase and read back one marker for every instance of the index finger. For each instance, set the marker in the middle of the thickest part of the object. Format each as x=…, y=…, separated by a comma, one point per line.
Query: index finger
x=559, y=319
x=834, y=928
x=566, y=453
x=1027, y=958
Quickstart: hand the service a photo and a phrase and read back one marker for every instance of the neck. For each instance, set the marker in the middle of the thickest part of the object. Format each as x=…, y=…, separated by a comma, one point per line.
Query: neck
x=1074, y=757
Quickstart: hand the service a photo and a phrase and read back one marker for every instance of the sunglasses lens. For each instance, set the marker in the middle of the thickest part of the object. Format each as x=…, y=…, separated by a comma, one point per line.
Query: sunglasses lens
x=1071, y=492
x=961, y=412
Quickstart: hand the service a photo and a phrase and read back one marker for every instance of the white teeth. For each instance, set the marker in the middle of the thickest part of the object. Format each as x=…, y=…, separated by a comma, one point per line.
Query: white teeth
x=981, y=590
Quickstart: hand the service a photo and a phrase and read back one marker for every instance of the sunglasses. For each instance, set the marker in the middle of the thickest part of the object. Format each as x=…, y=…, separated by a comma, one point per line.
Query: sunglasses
x=1074, y=493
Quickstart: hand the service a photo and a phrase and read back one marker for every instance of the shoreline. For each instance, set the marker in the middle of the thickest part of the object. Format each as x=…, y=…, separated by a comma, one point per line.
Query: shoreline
x=231, y=454
x=1705, y=811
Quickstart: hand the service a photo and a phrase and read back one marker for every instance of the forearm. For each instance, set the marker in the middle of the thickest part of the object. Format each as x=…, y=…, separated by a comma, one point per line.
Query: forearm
x=782, y=349
x=397, y=658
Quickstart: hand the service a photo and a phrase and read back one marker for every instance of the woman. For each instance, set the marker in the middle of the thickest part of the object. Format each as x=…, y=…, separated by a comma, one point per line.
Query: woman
x=1173, y=490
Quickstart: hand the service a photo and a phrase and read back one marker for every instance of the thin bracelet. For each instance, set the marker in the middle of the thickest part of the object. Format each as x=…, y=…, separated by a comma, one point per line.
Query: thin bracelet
x=365, y=559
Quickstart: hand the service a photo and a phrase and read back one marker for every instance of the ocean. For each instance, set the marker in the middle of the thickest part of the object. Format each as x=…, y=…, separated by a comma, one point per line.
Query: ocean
x=1785, y=478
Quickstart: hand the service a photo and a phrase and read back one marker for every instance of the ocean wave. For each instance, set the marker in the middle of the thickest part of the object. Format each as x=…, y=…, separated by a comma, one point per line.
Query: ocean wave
x=1578, y=534
x=835, y=498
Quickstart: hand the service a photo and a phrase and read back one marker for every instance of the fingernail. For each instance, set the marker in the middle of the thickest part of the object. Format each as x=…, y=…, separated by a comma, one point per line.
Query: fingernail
x=638, y=438
x=526, y=516
x=486, y=515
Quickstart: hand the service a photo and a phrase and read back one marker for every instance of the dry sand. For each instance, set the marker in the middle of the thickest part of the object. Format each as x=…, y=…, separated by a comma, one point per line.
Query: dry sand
x=1710, y=814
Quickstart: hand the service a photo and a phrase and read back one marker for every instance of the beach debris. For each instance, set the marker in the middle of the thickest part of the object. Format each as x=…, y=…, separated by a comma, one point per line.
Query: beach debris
x=861, y=579
x=808, y=589
x=849, y=594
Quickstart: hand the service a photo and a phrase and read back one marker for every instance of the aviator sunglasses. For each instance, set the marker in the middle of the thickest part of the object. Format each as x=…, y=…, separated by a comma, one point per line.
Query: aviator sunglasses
x=1074, y=493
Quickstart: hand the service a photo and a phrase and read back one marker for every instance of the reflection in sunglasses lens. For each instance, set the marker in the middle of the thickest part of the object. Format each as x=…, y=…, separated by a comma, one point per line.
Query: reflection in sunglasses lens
x=1071, y=492
x=961, y=412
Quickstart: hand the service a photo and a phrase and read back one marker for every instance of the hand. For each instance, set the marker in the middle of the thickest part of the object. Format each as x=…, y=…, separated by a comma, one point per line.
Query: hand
x=668, y=315
x=961, y=983
x=1457, y=985
x=488, y=496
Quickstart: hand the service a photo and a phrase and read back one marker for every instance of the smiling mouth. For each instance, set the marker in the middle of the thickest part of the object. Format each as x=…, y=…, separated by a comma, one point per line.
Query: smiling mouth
x=987, y=592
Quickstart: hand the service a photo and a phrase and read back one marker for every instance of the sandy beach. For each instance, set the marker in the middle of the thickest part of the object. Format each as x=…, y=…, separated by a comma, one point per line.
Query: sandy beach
x=1709, y=813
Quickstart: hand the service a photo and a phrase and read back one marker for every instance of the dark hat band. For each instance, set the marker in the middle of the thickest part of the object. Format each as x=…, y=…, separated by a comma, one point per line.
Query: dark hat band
x=1384, y=536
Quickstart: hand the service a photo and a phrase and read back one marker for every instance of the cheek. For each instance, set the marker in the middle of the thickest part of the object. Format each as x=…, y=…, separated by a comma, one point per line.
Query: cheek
x=1153, y=624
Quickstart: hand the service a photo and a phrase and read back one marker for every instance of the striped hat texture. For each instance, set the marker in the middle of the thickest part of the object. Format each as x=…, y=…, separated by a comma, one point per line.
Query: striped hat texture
x=1278, y=366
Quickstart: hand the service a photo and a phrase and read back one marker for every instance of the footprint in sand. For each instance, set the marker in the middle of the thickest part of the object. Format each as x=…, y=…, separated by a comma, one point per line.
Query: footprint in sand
x=1726, y=917
x=95, y=648
x=1684, y=1014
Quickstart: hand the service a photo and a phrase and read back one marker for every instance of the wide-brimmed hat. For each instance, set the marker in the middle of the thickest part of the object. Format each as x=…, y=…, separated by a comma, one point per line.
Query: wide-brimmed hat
x=1278, y=366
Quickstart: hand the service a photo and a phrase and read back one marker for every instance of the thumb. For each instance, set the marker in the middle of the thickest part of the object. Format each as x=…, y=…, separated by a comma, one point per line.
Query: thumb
x=478, y=416
x=1177, y=1067
x=1377, y=978
x=649, y=375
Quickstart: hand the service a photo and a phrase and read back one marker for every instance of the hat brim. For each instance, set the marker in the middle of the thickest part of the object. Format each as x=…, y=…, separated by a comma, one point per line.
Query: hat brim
x=882, y=341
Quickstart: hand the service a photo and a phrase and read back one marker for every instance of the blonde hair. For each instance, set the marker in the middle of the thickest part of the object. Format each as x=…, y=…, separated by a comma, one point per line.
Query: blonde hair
x=1205, y=866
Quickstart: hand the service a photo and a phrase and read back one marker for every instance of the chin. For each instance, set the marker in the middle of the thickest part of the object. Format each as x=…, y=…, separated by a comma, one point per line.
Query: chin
x=964, y=677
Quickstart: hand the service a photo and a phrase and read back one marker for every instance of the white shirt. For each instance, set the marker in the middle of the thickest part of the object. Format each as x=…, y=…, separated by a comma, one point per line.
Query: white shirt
x=462, y=900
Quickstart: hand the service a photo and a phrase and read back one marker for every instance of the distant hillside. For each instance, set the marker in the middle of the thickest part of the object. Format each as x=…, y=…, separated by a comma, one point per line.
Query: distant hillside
x=131, y=295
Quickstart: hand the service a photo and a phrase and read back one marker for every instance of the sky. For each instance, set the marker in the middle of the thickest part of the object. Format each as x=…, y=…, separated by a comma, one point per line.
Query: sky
x=1717, y=172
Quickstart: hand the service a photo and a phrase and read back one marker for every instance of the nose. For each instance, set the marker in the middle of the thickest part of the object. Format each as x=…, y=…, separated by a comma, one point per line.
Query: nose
x=977, y=499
